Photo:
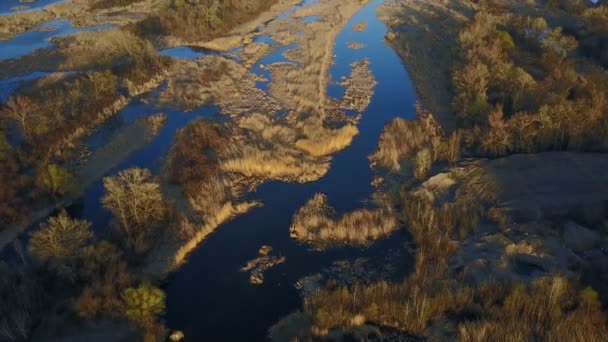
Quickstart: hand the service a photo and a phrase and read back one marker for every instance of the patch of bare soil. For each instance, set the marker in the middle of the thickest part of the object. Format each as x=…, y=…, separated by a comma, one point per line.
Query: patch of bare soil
x=549, y=217
x=551, y=182
x=423, y=33
x=256, y=267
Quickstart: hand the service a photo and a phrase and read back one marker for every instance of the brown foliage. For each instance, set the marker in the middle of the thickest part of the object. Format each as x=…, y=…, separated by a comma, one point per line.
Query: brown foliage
x=204, y=19
x=194, y=155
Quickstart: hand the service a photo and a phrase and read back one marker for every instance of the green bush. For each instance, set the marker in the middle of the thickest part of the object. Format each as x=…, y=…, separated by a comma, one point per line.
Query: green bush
x=56, y=179
x=143, y=305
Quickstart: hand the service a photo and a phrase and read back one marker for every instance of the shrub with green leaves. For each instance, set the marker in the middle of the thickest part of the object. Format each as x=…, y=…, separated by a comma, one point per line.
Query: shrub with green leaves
x=143, y=305
x=55, y=179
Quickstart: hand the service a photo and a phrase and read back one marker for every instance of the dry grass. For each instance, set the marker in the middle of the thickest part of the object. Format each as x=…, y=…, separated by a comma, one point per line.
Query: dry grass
x=19, y=22
x=321, y=141
x=401, y=139
x=547, y=309
x=397, y=305
x=359, y=85
x=214, y=204
x=227, y=211
x=268, y=129
x=84, y=50
x=360, y=26
x=261, y=162
x=316, y=222
x=216, y=79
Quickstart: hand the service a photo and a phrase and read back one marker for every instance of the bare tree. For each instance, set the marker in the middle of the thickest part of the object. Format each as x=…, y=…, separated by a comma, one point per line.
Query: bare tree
x=135, y=199
x=61, y=237
x=20, y=109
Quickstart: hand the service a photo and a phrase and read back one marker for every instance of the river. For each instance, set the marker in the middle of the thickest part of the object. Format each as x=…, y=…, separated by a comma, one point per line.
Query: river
x=208, y=298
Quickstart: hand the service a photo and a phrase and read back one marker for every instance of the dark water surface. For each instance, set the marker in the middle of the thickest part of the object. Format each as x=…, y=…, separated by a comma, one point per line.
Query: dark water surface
x=208, y=298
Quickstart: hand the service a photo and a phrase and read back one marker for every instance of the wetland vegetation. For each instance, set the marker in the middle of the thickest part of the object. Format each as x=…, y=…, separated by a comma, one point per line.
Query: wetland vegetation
x=148, y=166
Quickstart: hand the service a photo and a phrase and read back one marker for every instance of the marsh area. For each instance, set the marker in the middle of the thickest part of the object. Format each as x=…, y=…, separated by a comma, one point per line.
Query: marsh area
x=302, y=170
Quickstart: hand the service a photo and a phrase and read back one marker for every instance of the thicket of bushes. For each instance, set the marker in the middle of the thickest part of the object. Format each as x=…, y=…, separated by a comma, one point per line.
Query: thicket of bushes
x=548, y=308
x=193, y=158
x=51, y=115
x=88, y=276
x=524, y=86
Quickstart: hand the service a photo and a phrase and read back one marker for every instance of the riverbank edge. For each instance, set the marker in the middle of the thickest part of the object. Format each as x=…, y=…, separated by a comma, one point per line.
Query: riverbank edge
x=424, y=36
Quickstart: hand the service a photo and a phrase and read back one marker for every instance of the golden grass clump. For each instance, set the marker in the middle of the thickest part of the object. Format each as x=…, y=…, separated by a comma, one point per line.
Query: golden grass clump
x=401, y=139
x=321, y=141
x=316, y=222
x=214, y=204
x=268, y=129
x=546, y=309
x=398, y=305
x=278, y=162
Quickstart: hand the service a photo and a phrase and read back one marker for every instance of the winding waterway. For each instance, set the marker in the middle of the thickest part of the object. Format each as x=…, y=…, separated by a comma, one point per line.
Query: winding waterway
x=208, y=298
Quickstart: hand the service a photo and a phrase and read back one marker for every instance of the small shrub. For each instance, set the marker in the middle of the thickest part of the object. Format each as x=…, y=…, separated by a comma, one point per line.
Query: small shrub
x=422, y=163
x=56, y=180
x=143, y=305
x=400, y=139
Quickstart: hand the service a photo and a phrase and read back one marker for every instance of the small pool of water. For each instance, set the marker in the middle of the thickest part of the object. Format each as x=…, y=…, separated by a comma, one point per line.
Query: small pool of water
x=39, y=38
x=8, y=7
